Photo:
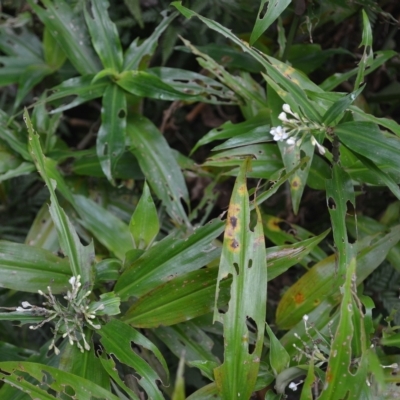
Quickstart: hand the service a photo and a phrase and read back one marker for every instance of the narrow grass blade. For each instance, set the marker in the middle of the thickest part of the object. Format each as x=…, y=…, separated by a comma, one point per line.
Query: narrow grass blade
x=80, y=257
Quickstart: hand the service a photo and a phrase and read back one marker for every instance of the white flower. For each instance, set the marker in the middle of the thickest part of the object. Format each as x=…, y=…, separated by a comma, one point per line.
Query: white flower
x=305, y=317
x=293, y=386
x=279, y=133
x=320, y=148
x=283, y=117
x=288, y=110
x=291, y=141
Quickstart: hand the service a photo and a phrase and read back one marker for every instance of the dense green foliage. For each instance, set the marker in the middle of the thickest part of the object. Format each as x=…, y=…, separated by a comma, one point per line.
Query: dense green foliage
x=199, y=200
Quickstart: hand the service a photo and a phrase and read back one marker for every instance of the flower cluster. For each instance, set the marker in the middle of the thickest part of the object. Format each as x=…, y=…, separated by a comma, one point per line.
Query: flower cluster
x=295, y=128
x=70, y=319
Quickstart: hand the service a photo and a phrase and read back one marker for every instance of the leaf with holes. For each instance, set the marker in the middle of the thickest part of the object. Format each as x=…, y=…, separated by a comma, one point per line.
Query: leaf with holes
x=244, y=260
x=340, y=195
x=37, y=379
x=265, y=19
x=117, y=338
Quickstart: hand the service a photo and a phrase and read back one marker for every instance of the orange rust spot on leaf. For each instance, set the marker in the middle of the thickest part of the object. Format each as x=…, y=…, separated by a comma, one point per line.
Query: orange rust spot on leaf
x=299, y=298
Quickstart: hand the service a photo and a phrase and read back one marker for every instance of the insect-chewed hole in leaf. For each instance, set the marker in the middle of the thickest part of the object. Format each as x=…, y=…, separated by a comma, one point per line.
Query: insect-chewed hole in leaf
x=331, y=203
x=105, y=149
x=285, y=227
x=89, y=9
x=302, y=155
x=69, y=390
x=333, y=310
x=121, y=113
x=224, y=294
x=4, y=372
x=263, y=11
x=236, y=266
x=252, y=329
x=250, y=263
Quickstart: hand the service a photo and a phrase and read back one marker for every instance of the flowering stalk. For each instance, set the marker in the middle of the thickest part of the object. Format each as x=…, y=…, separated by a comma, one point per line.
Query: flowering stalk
x=70, y=319
x=295, y=128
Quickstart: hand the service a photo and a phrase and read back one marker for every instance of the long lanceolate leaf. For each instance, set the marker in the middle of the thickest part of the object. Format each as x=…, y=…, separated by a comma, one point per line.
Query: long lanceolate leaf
x=339, y=379
x=244, y=259
x=135, y=54
x=159, y=166
x=30, y=378
x=104, y=34
x=117, y=339
x=80, y=257
x=340, y=192
x=70, y=31
x=275, y=9
x=111, y=136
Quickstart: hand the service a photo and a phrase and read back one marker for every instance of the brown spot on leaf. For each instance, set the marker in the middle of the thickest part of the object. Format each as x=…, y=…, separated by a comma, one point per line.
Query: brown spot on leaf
x=233, y=221
x=234, y=244
x=299, y=298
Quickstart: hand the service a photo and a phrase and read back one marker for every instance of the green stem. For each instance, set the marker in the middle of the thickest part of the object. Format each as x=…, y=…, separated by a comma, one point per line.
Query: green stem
x=292, y=33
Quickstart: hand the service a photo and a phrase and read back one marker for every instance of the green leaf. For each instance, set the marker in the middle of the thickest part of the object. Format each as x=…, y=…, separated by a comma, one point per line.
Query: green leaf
x=229, y=130
x=236, y=83
x=159, y=166
x=82, y=89
x=335, y=113
x=144, y=225
x=178, y=300
x=188, y=338
x=144, y=84
x=199, y=86
x=338, y=380
x=83, y=364
x=80, y=257
x=266, y=18
x=365, y=138
x=322, y=280
x=110, y=143
x=30, y=269
x=53, y=52
x=278, y=357
x=243, y=258
x=104, y=34
x=335, y=80
x=340, y=192
x=135, y=54
x=368, y=55
x=106, y=227
x=69, y=30
x=42, y=232
x=179, y=389
x=170, y=258
x=111, y=368
x=19, y=374
x=117, y=338
x=281, y=258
